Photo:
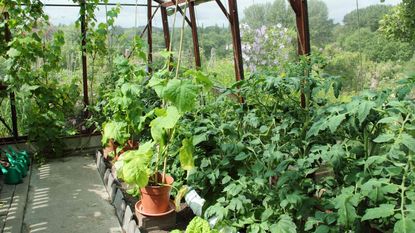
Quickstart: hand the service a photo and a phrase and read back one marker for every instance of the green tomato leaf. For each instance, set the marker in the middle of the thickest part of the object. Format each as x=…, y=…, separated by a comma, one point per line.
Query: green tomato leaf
x=311, y=222
x=322, y=229
x=346, y=203
x=266, y=214
x=13, y=52
x=374, y=160
x=384, y=138
x=316, y=128
x=408, y=141
x=334, y=122
x=241, y=156
x=404, y=226
x=383, y=211
x=389, y=120
x=285, y=224
x=226, y=179
x=199, y=138
x=364, y=110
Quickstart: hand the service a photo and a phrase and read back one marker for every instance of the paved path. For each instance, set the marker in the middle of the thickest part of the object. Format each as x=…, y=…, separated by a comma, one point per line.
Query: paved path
x=68, y=196
x=12, y=205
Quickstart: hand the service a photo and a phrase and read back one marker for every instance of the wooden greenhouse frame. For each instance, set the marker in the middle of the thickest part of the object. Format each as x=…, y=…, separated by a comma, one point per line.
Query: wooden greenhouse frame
x=299, y=7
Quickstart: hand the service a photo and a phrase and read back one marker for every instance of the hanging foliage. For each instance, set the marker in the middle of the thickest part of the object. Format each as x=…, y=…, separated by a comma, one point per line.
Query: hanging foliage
x=33, y=64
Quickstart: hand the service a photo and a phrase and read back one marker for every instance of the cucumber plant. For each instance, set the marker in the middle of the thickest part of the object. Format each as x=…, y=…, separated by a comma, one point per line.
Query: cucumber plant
x=141, y=167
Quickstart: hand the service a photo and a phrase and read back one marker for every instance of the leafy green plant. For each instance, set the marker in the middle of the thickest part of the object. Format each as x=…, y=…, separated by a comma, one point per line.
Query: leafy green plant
x=33, y=67
x=125, y=106
x=272, y=166
x=141, y=167
x=197, y=225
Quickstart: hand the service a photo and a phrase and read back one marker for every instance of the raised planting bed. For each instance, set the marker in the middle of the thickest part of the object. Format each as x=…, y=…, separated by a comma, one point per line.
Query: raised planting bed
x=124, y=205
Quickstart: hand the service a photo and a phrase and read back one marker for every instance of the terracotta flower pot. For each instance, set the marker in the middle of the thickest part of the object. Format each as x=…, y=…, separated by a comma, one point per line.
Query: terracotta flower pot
x=155, y=200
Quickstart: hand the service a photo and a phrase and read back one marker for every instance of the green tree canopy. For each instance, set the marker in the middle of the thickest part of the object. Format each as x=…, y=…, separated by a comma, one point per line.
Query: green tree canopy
x=368, y=17
x=321, y=27
x=377, y=47
x=400, y=23
x=280, y=12
x=269, y=14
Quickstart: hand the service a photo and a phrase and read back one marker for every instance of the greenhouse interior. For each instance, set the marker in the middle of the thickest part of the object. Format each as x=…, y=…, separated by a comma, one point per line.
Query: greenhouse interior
x=207, y=116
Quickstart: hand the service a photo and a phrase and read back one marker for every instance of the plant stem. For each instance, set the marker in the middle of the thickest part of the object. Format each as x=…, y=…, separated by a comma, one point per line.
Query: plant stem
x=174, y=24
x=163, y=181
x=179, y=59
x=403, y=189
x=157, y=164
x=366, y=142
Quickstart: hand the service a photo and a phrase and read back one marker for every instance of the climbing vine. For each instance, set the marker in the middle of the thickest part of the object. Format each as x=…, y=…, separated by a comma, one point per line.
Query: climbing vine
x=33, y=64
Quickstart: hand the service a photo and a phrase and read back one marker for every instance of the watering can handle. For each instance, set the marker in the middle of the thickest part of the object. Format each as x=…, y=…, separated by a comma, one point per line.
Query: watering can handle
x=11, y=159
x=3, y=169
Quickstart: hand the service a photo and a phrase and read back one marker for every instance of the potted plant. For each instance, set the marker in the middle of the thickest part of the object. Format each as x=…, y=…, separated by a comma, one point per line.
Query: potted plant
x=146, y=168
x=124, y=108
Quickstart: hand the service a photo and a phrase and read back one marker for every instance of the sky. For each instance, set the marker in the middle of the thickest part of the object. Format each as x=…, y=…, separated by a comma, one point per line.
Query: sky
x=207, y=14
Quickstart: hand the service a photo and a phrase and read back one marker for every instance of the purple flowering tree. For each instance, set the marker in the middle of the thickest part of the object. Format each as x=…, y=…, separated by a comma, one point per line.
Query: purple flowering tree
x=266, y=48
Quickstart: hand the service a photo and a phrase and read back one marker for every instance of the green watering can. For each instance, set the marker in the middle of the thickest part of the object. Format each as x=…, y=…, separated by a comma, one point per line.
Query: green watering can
x=18, y=163
x=20, y=154
x=13, y=174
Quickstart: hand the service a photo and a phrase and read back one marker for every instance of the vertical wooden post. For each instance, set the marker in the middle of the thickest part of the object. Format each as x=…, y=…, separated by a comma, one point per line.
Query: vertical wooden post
x=84, y=59
x=303, y=35
x=8, y=38
x=236, y=38
x=301, y=12
x=196, y=49
x=150, y=34
x=166, y=31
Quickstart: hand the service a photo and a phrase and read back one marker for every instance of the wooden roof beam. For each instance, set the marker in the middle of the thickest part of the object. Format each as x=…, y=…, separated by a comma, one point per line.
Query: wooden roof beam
x=173, y=2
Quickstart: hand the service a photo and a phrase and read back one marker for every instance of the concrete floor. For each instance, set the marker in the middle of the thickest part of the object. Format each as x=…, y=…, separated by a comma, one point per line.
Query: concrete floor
x=68, y=196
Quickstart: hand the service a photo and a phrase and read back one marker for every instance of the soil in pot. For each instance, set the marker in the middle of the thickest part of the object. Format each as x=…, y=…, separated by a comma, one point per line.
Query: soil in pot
x=156, y=199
